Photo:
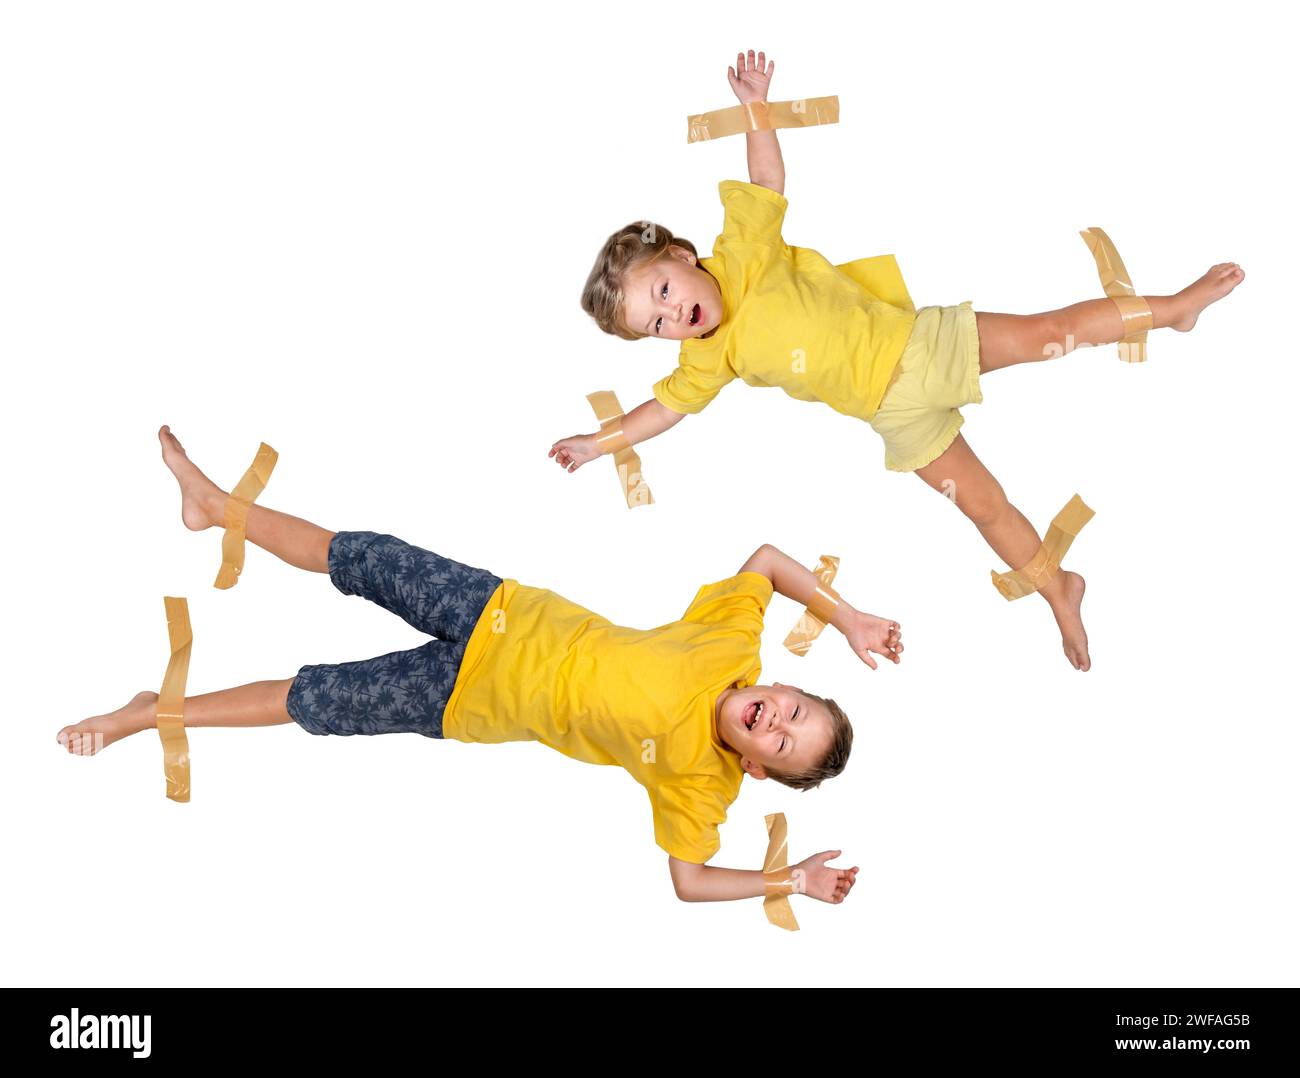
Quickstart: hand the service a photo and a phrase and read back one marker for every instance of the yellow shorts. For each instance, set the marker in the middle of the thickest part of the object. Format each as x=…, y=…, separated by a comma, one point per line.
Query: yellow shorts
x=938, y=372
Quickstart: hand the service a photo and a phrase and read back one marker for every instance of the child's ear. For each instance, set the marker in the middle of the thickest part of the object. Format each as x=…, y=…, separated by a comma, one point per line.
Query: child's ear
x=753, y=770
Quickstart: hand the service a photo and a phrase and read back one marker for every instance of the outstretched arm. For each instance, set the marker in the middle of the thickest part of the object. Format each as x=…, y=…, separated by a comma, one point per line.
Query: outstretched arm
x=641, y=423
x=812, y=877
x=865, y=632
x=750, y=81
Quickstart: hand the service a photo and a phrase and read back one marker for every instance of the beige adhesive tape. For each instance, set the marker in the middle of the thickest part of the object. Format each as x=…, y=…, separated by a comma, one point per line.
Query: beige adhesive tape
x=763, y=116
x=170, y=709
x=820, y=610
x=236, y=514
x=1065, y=526
x=611, y=439
x=778, y=879
x=1133, y=309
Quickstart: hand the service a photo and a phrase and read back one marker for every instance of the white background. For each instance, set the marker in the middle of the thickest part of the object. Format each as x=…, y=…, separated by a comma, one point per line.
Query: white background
x=359, y=233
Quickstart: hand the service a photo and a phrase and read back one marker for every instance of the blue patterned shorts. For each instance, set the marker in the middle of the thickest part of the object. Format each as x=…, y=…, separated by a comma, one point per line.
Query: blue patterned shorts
x=406, y=691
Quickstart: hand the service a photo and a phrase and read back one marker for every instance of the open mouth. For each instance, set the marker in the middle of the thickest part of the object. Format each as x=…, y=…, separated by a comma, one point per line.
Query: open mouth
x=696, y=315
x=752, y=714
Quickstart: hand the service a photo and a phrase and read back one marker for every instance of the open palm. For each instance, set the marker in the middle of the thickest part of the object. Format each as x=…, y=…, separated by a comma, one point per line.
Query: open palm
x=750, y=79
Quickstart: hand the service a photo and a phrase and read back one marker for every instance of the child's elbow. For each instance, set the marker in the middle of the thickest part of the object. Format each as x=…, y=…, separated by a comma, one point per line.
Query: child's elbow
x=760, y=560
x=685, y=876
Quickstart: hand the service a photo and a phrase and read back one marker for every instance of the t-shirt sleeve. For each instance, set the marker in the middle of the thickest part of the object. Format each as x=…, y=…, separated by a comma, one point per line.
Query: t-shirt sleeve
x=686, y=821
x=751, y=214
x=691, y=386
x=740, y=600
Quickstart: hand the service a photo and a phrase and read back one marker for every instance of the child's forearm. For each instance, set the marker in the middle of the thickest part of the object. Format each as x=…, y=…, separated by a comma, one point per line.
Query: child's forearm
x=794, y=581
x=707, y=883
x=649, y=419
x=766, y=168
x=642, y=422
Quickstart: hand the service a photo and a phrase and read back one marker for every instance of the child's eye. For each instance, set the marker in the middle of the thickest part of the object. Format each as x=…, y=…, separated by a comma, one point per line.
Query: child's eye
x=782, y=749
x=664, y=291
x=658, y=322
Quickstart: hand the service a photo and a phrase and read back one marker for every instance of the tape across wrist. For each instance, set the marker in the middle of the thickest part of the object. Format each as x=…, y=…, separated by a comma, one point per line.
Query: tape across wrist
x=1118, y=285
x=169, y=711
x=762, y=116
x=778, y=878
x=1047, y=561
x=820, y=610
x=824, y=602
x=612, y=440
x=235, y=516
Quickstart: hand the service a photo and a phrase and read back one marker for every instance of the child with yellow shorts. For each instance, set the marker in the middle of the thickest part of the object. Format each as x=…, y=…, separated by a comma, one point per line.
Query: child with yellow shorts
x=679, y=707
x=773, y=314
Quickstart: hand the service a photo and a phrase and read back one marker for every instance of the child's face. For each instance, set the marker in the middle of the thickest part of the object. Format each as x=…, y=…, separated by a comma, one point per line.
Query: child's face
x=774, y=726
x=672, y=297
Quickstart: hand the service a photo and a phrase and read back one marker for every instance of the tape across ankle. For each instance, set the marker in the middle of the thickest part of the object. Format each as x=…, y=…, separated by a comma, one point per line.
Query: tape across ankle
x=1047, y=561
x=612, y=440
x=762, y=116
x=169, y=711
x=778, y=877
x=820, y=610
x=1115, y=281
x=235, y=515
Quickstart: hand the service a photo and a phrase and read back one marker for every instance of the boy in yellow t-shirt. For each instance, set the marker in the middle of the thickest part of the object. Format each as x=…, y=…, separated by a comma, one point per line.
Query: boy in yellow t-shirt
x=678, y=707
x=773, y=314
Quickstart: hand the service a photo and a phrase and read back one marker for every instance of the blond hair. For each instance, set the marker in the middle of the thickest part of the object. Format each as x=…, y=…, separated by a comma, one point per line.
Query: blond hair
x=632, y=246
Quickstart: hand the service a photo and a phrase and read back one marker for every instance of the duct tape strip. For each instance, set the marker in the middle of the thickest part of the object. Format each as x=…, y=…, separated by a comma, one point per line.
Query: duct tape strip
x=1044, y=564
x=779, y=880
x=236, y=514
x=820, y=610
x=1115, y=280
x=170, y=709
x=762, y=116
x=611, y=439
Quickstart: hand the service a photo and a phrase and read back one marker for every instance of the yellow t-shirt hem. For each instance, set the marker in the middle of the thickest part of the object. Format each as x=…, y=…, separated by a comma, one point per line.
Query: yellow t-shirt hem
x=674, y=404
x=475, y=648
x=690, y=856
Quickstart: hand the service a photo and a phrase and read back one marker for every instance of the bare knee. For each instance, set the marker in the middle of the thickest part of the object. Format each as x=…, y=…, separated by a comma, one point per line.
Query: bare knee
x=985, y=506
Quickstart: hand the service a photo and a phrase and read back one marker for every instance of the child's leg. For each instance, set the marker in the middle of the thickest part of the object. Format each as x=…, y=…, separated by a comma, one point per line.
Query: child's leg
x=1008, y=339
x=434, y=594
x=959, y=473
x=203, y=503
x=401, y=692
x=260, y=704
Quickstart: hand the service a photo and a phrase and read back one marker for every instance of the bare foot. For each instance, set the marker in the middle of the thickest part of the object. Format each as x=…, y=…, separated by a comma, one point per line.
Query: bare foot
x=90, y=735
x=1217, y=283
x=1070, y=621
x=202, y=501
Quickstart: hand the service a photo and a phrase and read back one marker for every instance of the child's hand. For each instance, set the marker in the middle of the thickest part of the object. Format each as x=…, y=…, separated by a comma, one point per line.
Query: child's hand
x=572, y=453
x=867, y=633
x=748, y=80
x=823, y=882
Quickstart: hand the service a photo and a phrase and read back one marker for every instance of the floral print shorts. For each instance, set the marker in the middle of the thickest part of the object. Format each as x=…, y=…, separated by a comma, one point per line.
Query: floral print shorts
x=406, y=691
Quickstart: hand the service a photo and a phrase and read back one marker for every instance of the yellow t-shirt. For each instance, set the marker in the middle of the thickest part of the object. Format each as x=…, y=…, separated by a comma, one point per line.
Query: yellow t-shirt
x=790, y=318
x=538, y=667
